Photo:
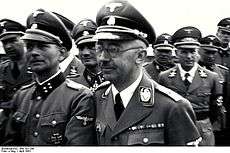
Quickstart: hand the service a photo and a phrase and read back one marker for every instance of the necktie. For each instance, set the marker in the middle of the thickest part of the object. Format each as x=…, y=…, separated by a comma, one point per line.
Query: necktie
x=186, y=82
x=118, y=107
x=15, y=70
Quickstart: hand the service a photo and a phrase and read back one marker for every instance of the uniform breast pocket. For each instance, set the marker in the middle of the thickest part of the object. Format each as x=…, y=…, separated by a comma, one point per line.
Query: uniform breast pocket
x=53, y=128
x=147, y=137
x=204, y=92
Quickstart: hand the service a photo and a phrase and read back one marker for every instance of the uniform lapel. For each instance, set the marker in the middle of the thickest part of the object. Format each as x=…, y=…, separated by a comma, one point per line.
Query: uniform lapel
x=108, y=109
x=135, y=111
x=196, y=82
x=178, y=82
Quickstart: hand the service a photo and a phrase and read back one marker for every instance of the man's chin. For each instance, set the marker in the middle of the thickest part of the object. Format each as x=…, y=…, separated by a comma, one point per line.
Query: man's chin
x=37, y=69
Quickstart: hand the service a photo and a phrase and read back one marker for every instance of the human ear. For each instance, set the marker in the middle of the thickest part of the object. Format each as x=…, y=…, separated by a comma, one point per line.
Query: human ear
x=141, y=55
x=62, y=54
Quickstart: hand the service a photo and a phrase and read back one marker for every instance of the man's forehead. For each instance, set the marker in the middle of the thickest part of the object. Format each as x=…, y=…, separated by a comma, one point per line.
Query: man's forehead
x=35, y=42
x=113, y=42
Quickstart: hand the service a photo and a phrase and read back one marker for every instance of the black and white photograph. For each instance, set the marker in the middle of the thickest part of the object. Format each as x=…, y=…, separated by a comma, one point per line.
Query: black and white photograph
x=109, y=74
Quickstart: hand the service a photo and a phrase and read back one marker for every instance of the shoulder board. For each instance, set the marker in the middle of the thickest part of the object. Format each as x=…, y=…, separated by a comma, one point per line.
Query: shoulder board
x=173, y=95
x=27, y=86
x=103, y=85
x=222, y=67
x=4, y=62
x=75, y=85
x=146, y=64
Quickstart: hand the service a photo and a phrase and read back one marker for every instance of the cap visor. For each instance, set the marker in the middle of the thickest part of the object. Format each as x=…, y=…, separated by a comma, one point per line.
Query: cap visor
x=7, y=35
x=224, y=29
x=188, y=46
x=210, y=48
x=163, y=47
x=37, y=37
x=85, y=39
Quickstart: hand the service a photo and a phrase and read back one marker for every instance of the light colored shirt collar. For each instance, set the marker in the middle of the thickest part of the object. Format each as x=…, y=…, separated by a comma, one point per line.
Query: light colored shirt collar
x=191, y=72
x=127, y=93
x=65, y=63
x=41, y=83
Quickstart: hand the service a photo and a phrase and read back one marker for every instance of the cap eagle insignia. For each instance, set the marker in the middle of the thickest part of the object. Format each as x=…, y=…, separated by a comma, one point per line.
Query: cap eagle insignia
x=113, y=6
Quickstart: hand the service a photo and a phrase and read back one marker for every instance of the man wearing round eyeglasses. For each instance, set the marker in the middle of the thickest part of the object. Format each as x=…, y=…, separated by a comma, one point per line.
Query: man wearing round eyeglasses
x=133, y=109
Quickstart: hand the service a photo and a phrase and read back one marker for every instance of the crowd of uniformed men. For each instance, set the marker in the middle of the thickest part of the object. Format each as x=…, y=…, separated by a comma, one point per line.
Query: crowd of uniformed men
x=125, y=87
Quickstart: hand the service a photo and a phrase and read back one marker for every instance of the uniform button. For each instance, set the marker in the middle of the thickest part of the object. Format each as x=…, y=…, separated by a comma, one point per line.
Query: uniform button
x=37, y=115
x=14, y=89
x=54, y=122
x=187, y=94
x=35, y=134
x=39, y=98
x=145, y=140
x=115, y=138
x=46, y=91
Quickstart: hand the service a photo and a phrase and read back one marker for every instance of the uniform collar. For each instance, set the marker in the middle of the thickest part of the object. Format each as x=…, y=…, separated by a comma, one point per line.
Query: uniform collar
x=46, y=87
x=93, y=79
x=127, y=93
x=191, y=72
x=162, y=67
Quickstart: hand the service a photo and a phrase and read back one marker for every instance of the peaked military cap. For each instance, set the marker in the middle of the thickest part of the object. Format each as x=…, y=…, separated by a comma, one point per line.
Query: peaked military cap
x=164, y=42
x=119, y=20
x=224, y=24
x=210, y=43
x=187, y=37
x=67, y=22
x=84, y=31
x=10, y=29
x=47, y=27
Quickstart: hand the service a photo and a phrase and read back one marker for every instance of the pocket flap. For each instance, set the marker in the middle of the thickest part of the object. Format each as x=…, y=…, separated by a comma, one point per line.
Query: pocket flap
x=53, y=119
x=146, y=137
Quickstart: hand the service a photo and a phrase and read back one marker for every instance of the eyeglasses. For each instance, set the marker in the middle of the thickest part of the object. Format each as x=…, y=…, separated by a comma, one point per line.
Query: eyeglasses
x=113, y=51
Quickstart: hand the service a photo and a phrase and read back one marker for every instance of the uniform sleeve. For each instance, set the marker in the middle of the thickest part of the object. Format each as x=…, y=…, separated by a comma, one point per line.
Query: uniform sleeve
x=182, y=129
x=217, y=87
x=8, y=132
x=217, y=108
x=80, y=129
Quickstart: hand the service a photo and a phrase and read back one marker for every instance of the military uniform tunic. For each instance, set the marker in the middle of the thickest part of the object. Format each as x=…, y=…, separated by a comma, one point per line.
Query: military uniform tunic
x=155, y=68
x=155, y=115
x=58, y=112
x=89, y=79
x=9, y=84
x=202, y=93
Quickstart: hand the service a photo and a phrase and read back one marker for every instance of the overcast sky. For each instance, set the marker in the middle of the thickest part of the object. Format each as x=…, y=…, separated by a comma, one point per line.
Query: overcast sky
x=164, y=15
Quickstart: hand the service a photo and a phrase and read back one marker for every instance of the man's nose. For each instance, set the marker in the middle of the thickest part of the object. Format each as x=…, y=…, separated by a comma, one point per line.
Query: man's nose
x=103, y=56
